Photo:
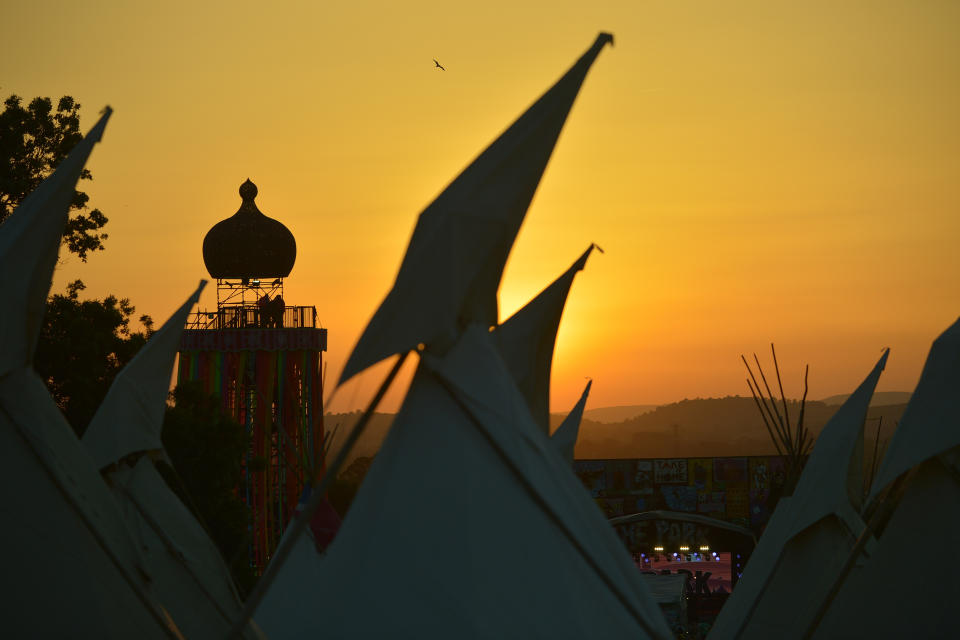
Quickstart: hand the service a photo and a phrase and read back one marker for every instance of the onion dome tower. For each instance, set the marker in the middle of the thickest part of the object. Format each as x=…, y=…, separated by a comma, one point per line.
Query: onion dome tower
x=248, y=244
x=263, y=358
x=249, y=254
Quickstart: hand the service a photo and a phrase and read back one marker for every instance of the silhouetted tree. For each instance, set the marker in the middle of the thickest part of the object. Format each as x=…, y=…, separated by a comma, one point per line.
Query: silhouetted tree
x=206, y=448
x=33, y=141
x=83, y=344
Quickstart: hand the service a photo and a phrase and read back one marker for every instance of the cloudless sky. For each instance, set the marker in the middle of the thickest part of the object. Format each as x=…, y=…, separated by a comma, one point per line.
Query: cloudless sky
x=756, y=171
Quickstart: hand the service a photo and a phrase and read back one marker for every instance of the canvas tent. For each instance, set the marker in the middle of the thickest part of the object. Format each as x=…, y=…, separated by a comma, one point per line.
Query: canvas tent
x=508, y=545
x=816, y=527
x=188, y=574
x=883, y=598
x=915, y=506
x=72, y=567
x=931, y=422
x=526, y=341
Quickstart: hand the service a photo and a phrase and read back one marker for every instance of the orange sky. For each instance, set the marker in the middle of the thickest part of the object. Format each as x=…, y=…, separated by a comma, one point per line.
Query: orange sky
x=756, y=171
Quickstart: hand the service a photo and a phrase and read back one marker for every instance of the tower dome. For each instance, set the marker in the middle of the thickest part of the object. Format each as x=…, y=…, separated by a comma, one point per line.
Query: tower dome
x=248, y=244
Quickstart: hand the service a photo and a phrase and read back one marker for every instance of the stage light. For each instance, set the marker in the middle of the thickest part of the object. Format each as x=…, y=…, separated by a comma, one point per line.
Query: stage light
x=674, y=554
x=704, y=547
x=658, y=548
x=684, y=548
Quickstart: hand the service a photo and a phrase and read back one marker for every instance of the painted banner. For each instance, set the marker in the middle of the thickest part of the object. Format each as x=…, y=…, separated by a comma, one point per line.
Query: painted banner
x=759, y=469
x=254, y=339
x=759, y=513
x=711, y=503
x=643, y=478
x=729, y=473
x=738, y=490
x=619, y=475
x=701, y=473
x=738, y=505
x=680, y=498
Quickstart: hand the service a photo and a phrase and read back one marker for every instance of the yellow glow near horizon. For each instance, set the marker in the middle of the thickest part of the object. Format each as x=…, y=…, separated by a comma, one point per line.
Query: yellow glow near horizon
x=756, y=171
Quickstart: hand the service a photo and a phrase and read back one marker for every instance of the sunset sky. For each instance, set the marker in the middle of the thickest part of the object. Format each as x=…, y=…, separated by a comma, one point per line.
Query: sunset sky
x=755, y=171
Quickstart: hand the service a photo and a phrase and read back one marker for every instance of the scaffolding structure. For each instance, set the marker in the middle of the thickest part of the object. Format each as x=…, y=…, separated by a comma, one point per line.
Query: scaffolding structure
x=263, y=359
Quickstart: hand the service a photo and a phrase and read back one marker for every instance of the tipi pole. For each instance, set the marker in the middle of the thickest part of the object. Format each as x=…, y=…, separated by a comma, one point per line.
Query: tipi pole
x=316, y=497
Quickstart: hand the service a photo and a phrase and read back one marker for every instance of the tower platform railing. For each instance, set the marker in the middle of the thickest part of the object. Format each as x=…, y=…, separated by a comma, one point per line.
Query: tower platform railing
x=254, y=317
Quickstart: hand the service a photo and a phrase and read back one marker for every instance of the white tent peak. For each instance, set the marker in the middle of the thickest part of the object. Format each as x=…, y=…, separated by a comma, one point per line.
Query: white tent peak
x=565, y=437
x=929, y=423
x=832, y=480
x=527, y=340
x=451, y=272
x=130, y=418
x=29, y=244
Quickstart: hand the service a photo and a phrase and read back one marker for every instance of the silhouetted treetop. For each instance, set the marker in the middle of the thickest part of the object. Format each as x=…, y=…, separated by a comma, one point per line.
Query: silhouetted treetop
x=83, y=345
x=34, y=140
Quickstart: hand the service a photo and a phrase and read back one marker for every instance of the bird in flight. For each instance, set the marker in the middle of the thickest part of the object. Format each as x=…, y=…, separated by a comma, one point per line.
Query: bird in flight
x=438, y=65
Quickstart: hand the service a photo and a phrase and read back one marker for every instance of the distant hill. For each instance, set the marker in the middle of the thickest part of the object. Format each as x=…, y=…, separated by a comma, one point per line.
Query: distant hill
x=728, y=426
x=617, y=414
x=880, y=398
x=704, y=427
